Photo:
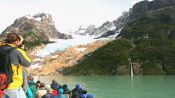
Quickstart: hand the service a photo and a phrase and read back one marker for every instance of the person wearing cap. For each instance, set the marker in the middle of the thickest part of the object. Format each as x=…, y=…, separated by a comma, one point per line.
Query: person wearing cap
x=32, y=85
x=54, y=85
x=60, y=93
x=76, y=92
x=18, y=59
x=77, y=89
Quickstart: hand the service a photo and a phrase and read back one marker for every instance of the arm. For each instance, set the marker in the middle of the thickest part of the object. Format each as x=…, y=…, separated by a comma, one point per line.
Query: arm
x=23, y=58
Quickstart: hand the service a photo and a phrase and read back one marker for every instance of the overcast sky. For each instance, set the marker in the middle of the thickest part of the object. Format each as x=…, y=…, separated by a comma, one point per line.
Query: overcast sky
x=67, y=14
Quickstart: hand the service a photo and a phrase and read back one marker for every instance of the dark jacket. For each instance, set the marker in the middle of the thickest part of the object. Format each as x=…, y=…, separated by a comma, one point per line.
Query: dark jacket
x=55, y=86
x=66, y=89
x=75, y=95
x=18, y=58
x=48, y=95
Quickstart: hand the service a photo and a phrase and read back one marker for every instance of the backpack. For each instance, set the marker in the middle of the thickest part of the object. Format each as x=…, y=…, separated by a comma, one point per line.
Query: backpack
x=6, y=72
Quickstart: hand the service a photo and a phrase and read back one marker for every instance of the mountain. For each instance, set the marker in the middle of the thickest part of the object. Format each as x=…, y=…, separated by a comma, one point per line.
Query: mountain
x=147, y=41
x=112, y=29
x=35, y=29
x=107, y=29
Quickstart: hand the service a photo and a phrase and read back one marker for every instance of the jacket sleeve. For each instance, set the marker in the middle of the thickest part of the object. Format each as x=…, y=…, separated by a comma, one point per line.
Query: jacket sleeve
x=23, y=58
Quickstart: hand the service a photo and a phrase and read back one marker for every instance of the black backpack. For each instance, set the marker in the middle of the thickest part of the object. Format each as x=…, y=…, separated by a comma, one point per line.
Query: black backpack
x=6, y=72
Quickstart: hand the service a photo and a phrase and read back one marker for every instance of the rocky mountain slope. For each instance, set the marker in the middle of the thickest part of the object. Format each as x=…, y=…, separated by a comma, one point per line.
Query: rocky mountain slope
x=55, y=63
x=141, y=8
x=35, y=29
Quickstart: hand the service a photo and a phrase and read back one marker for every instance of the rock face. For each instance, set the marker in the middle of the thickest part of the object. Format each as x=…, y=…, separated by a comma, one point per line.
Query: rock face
x=41, y=26
x=141, y=8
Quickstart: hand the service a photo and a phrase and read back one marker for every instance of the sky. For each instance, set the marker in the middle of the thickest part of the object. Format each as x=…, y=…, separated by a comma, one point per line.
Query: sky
x=67, y=15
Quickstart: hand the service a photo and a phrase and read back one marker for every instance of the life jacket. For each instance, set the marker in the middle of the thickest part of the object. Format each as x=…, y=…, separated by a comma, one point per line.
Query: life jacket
x=54, y=92
x=1, y=94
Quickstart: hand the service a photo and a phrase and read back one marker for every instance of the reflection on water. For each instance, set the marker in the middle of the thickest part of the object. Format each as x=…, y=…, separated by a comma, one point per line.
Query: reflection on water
x=119, y=86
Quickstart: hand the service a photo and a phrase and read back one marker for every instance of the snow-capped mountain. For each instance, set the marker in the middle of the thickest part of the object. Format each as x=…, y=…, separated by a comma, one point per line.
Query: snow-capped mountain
x=107, y=29
x=40, y=24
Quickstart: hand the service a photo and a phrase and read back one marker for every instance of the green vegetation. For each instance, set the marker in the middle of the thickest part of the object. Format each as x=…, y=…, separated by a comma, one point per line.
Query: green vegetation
x=104, y=60
x=154, y=37
x=155, y=55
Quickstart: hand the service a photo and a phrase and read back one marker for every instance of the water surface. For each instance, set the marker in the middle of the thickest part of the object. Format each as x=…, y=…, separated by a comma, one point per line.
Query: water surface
x=120, y=86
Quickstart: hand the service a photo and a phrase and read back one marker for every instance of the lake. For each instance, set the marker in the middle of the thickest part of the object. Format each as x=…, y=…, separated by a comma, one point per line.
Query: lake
x=119, y=86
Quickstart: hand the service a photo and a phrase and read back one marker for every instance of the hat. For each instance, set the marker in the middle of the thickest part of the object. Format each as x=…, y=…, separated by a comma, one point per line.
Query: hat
x=61, y=91
x=77, y=86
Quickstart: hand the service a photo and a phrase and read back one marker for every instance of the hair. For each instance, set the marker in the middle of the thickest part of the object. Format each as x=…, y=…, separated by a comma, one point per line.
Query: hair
x=38, y=81
x=42, y=85
x=65, y=86
x=30, y=78
x=11, y=37
x=84, y=92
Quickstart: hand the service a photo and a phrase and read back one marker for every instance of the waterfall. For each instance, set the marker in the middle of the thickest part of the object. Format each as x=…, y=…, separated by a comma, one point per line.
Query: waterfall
x=131, y=67
x=132, y=74
x=130, y=61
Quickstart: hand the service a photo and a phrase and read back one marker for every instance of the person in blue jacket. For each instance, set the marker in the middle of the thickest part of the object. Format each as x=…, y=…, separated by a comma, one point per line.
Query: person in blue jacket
x=29, y=93
x=32, y=86
x=89, y=96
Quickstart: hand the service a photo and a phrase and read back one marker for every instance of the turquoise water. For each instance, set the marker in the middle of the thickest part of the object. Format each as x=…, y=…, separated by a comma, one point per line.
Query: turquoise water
x=120, y=86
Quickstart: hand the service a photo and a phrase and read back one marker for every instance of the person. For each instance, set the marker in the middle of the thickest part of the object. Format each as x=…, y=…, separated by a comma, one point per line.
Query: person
x=60, y=94
x=76, y=92
x=66, y=89
x=77, y=89
x=38, y=84
x=29, y=93
x=18, y=58
x=48, y=94
x=54, y=85
x=32, y=86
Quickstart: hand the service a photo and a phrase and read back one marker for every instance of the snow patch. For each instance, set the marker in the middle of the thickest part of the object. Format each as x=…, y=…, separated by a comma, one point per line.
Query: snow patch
x=38, y=60
x=62, y=44
x=54, y=56
x=35, y=66
x=30, y=17
x=80, y=49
